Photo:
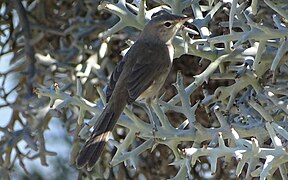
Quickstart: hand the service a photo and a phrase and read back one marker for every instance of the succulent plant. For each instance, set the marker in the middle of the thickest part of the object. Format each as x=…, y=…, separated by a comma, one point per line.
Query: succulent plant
x=241, y=43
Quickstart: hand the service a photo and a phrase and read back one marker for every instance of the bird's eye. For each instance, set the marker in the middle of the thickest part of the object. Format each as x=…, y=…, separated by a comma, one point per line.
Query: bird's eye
x=167, y=24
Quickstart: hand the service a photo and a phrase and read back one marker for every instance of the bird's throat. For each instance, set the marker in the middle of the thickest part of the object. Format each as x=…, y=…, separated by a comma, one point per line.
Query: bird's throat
x=171, y=51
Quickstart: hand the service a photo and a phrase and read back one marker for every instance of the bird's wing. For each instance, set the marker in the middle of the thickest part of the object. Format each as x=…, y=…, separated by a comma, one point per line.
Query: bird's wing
x=142, y=64
x=149, y=64
x=114, y=78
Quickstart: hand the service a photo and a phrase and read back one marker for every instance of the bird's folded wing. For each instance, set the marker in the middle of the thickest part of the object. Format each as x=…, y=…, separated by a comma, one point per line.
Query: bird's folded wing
x=114, y=78
x=141, y=65
x=147, y=67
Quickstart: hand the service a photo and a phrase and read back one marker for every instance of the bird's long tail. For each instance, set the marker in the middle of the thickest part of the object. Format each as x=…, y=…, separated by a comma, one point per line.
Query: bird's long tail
x=94, y=145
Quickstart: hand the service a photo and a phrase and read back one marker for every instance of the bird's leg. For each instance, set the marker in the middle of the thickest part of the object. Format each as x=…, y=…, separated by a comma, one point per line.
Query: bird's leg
x=150, y=114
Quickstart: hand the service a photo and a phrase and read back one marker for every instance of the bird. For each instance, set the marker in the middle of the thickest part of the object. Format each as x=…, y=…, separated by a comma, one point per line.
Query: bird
x=139, y=75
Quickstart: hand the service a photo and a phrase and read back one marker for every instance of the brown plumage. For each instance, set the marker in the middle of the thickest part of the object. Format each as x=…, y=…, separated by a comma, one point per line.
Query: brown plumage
x=139, y=75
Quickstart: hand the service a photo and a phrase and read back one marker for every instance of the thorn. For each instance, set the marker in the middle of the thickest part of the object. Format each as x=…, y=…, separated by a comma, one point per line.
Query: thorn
x=35, y=90
x=220, y=134
x=205, y=146
x=56, y=85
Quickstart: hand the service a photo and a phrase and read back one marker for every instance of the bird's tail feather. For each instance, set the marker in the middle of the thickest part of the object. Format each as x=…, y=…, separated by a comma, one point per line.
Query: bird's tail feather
x=95, y=144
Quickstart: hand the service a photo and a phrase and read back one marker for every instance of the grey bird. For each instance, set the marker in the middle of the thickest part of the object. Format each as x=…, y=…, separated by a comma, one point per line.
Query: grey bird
x=140, y=75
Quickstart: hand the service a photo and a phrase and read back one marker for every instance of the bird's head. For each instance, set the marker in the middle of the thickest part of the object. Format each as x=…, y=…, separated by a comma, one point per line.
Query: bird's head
x=163, y=26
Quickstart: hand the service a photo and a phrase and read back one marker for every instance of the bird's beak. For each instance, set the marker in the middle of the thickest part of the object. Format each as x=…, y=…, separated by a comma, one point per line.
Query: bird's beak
x=184, y=19
x=181, y=20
